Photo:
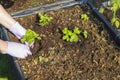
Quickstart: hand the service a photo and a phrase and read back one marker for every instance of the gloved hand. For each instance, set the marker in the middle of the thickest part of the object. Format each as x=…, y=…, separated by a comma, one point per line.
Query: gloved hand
x=19, y=32
x=18, y=50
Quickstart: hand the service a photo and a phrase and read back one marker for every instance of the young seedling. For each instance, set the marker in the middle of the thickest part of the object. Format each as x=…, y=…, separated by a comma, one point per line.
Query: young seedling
x=115, y=6
x=69, y=35
x=43, y=59
x=116, y=22
x=101, y=10
x=30, y=37
x=84, y=17
x=85, y=34
x=44, y=19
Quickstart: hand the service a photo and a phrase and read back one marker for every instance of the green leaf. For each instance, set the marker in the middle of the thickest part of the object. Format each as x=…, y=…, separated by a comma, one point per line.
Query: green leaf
x=30, y=40
x=65, y=30
x=117, y=24
x=76, y=30
x=41, y=58
x=84, y=17
x=23, y=39
x=101, y=10
x=44, y=19
x=70, y=35
x=30, y=37
x=113, y=20
x=85, y=34
x=65, y=37
x=69, y=32
x=115, y=8
x=74, y=38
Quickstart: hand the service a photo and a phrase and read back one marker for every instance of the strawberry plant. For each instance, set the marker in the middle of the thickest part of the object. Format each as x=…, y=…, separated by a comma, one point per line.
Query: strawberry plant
x=44, y=19
x=30, y=36
x=71, y=36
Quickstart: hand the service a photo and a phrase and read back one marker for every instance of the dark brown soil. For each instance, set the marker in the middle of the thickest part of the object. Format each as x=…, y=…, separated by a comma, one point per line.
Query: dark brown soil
x=94, y=58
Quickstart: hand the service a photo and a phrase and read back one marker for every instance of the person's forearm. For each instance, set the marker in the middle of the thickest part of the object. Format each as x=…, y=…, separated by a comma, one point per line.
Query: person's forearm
x=3, y=46
x=5, y=18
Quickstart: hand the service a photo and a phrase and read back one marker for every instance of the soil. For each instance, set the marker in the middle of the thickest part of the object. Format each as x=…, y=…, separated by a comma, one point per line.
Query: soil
x=94, y=58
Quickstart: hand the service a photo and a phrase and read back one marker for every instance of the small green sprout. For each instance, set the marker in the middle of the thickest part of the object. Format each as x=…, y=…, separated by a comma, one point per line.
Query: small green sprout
x=70, y=35
x=115, y=6
x=116, y=22
x=101, y=10
x=30, y=36
x=84, y=17
x=44, y=19
x=85, y=34
x=76, y=30
x=43, y=59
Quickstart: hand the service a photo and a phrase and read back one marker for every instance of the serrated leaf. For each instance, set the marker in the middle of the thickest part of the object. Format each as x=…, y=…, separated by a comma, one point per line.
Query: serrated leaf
x=69, y=32
x=65, y=30
x=30, y=36
x=76, y=30
x=74, y=38
x=44, y=19
x=65, y=37
x=84, y=17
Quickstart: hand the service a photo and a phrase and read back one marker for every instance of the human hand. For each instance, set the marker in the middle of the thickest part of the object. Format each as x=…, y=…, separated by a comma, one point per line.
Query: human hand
x=19, y=32
x=18, y=50
x=7, y=21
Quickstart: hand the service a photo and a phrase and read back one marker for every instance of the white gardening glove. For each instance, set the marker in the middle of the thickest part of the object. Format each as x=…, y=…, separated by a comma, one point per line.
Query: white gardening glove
x=19, y=32
x=18, y=50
